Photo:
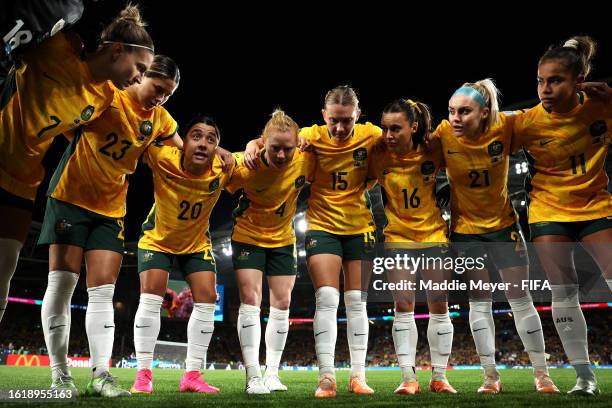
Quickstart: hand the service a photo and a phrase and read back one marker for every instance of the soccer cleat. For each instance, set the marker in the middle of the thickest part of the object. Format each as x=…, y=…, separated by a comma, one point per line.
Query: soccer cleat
x=408, y=388
x=192, y=382
x=358, y=385
x=545, y=385
x=255, y=385
x=585, y=386
x=104, y=386
x=143, y=383
x=274, y=383
x=441, y=387
x=327, y=386
x=64, y=382
x=490, y=386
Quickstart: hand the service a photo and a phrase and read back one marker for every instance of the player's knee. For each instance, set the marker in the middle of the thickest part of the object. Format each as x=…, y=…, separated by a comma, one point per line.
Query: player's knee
x=250, y=297
x=404, y=306
x=440, y=307
x=282, y=303
x=327, y=298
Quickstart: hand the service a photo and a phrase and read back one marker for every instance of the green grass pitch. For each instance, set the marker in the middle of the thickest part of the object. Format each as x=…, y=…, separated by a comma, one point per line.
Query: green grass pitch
x=518, y=390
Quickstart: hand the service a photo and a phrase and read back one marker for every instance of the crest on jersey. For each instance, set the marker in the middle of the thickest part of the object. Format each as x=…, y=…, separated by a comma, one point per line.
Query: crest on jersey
x=214, y=185
x=145, y=129
x=360, y=155
x=300, y=181
x=598, y=131
x=496, y=150
x=87, y=113
x=428, y=169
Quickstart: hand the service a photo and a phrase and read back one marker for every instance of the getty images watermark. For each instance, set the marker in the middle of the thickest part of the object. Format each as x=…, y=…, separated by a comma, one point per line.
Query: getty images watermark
x=459, y=271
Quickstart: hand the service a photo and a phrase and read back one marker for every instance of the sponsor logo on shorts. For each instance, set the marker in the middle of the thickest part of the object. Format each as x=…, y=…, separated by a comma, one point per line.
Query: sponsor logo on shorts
x=63, y=227
x=244, y=255
x=147, y=256
x=310, y=243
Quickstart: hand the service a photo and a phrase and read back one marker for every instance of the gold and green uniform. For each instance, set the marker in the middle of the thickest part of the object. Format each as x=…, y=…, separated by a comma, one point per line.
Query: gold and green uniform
x=478, y=174
x=568, y=154
x=93, y=171
x=49, y=94
x=264, y=216
x=179, y=219
x=408, y=182
x=337, y=202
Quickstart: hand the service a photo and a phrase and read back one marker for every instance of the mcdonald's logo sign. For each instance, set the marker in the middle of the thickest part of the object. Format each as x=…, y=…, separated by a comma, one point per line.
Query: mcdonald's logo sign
x=27, y=360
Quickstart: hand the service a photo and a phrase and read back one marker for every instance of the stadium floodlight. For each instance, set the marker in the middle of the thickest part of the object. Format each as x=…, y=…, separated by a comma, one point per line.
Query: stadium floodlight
x=302, y=253
x=227, y=251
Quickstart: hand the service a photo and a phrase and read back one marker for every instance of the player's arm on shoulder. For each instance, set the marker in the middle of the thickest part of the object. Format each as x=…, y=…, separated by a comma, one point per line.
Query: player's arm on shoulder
x=251, y=153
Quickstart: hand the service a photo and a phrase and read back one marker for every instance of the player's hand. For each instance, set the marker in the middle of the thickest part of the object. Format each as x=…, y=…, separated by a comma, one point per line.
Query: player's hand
x=304, y=145
x=177, y=141
x=226, y=158
x=597, y=90
x=380, y=145
x=431, y=142
x=252, y=152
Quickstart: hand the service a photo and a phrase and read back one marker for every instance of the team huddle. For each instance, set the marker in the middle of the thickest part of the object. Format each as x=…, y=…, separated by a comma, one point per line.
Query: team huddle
x=108, y=104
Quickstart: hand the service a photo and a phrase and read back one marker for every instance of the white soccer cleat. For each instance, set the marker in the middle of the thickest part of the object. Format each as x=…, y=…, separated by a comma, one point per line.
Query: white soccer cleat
x=274, y=383
x=255, y=385
x=585, y=386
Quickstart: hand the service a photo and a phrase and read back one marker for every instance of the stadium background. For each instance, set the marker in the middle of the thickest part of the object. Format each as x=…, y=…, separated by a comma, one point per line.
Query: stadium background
x=238, y=71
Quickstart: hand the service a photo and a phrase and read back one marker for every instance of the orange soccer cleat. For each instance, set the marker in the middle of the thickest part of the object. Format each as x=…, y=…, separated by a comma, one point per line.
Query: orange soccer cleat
x=545, y=385
x=441, y=387
x=490, y=386
x=408, y=388
x=358, y=385
x=327, y=386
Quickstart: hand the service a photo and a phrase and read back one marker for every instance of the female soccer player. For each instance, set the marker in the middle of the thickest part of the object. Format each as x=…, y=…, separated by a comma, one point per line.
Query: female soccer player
x=84, y=217
x=406, y=172
x=476, y=141
x=55, y=90
x=340, y=232
x=263, y=242
x=187, y=186
x=567, y=138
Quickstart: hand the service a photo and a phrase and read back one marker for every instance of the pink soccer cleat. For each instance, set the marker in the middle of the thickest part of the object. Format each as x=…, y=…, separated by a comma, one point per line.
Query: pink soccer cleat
x=143, y=384
x=192, y=382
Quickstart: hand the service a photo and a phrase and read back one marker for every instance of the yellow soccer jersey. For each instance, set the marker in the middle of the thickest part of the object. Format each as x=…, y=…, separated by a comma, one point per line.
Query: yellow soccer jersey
x=408, y=182
x=569, y=181
x=51, y=93
x=178, y=222
x=478, y=174
x=264, y=216
x=92, y=174
x=337, y=201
